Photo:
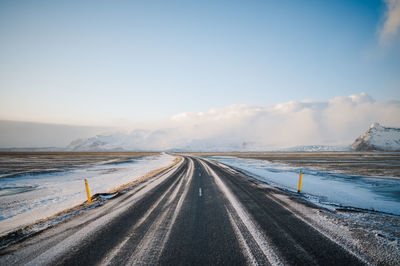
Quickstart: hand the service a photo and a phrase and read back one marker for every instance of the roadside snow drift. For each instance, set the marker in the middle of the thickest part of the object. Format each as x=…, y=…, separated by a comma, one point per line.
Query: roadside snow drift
x=29, y=198
x=327, y=189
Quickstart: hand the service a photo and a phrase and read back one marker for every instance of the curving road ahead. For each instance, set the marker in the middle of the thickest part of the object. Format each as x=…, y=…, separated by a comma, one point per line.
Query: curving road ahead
x=195, y=213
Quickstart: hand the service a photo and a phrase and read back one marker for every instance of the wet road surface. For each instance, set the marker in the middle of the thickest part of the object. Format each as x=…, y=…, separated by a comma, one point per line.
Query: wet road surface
x=196, y=213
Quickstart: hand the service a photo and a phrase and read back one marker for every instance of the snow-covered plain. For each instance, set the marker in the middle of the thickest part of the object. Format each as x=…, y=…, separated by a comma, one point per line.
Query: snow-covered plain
x=327, y=189
x=26, y=199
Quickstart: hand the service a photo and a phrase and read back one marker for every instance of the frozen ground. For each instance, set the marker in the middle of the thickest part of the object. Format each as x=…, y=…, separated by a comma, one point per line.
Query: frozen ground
x=31, y=197
x=326, y=188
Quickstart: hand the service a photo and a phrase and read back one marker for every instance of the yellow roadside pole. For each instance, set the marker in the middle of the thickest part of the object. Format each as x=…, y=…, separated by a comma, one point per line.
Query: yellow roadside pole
x=299, y=186
x=87, y=191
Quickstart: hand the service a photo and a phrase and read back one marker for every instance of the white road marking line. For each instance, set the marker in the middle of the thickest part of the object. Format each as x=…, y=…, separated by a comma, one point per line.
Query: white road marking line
x=199, y=191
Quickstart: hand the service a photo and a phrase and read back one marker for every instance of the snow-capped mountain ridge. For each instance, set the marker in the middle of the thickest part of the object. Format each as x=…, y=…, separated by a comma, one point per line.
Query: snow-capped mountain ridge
x=378, y=137
x=96, y=143
x=114, y=142
x=316, y=148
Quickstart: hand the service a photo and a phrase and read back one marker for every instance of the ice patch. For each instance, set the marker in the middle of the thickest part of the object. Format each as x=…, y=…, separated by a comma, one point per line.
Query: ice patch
x=5, y=191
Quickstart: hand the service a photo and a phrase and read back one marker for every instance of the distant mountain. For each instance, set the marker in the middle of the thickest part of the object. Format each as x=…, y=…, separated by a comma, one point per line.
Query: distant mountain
x=141, y=140
x=378, y=138
x=32, y=149
x=96, y=143
x=137, y=140
x=318, y=148
x=102, y=143
x=146, y=140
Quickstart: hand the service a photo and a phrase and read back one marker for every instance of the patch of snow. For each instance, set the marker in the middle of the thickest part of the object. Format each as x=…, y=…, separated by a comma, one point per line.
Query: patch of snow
x=328, y=189
x=29, y=198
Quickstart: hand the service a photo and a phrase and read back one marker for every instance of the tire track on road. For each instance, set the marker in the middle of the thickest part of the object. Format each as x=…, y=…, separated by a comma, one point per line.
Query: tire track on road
x=297, y=241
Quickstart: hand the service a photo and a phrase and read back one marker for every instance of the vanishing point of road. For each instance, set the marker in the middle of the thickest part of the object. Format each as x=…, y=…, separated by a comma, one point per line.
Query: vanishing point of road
x=197, y=212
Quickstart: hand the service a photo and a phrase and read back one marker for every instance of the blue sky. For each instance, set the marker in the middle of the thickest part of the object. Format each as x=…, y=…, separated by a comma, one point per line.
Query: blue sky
x=103, y=62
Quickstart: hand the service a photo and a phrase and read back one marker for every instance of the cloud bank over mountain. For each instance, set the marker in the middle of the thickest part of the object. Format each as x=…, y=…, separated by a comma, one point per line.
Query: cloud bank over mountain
x=337, y=121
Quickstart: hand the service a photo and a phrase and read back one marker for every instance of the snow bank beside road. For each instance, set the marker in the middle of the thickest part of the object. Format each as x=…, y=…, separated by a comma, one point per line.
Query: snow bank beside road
x=326, y=188
x=26, y=199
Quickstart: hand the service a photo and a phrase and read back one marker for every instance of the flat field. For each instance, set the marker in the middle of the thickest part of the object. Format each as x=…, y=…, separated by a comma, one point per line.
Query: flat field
x=21, y=163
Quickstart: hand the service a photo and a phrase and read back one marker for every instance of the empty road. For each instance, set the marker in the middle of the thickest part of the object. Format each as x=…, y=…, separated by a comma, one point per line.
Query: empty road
x=196, y=213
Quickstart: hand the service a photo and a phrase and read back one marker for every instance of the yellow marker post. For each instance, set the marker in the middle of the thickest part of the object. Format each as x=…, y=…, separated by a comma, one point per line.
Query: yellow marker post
x=87, y=191
x=299, y=186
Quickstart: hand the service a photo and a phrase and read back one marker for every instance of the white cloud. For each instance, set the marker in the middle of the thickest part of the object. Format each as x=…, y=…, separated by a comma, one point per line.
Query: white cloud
x=338, y=121
x=392, y=21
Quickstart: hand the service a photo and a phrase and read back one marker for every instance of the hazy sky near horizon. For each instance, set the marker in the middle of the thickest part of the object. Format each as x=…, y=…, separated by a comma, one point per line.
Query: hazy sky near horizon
x=109, y=63
x=337, y=121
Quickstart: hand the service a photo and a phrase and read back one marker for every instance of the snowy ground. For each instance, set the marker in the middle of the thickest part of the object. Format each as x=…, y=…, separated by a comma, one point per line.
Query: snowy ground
x=26, y=199
x=325, y=188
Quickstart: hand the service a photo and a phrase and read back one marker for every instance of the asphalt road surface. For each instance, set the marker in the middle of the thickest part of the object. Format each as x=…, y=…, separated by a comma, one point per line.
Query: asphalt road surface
x=196, y=213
